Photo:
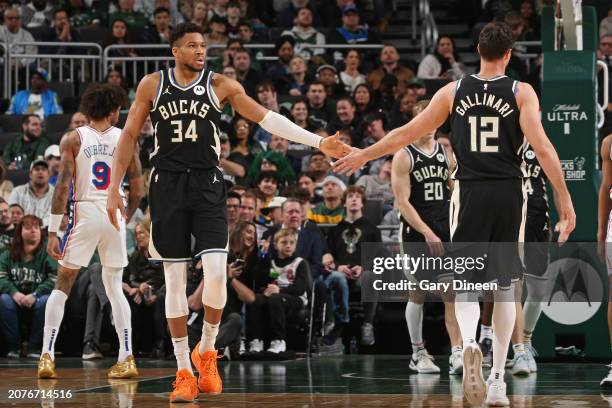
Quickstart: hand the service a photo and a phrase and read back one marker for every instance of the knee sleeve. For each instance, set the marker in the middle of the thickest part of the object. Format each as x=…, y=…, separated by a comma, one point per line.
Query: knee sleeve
x=113, y=285
x=175, y=274
x=536, y=289
x=214, y=265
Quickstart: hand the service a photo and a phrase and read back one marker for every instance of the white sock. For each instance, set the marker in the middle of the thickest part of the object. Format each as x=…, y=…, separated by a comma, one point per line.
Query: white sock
x=181, y=352
x=414, y=320
x=518, y=348
x=486, y=332
x=209, y=336
x=504, y=316
x=497, y=374
x=122, y=314
x=54, y=312
x=467, y=313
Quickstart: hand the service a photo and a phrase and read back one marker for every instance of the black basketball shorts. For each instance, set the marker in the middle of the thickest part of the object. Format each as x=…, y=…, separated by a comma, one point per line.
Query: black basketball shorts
x=487, y=219
x=185, y=204
x=537, y=239
x=416, y=246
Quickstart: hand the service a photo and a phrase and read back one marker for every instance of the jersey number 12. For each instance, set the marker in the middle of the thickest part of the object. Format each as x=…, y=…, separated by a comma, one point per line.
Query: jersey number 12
x=488, y=129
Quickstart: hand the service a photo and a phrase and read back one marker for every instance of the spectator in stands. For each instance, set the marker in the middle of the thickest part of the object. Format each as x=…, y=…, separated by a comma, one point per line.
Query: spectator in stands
x=6, y=185
x=11, y=32
x=298, y=79
x=328, y=76
x=389, y=65
x=233, y=210
x=402, y=113
x=17, y=213
x=305, y=34
x=216, y=37
x=27, y=277
x=517, y=68
x=7, y=228
x=318, y=104
x=233, y=164
x=248, y=207
x=135, y=21
x=605, y=26
x=77, y=119
x=119, y=35
x=267, y=183
x=318, y=167
x=148, y=7
x=336, y=282
x=378, y=186
x=443, y=63
x=39, y=99
x=346, y=119
x=288, y=16
x=146, y=291
x=363, y=97
x=219, y=9
x=60, y=31
x=37, y=13
x=330, y=211
x=272, y=161
x=4, y=5
x=19, y=153
x=279, y=72
x=146, y=142
x=159, y=33
x=247, y=76
x=344, y=241
x=245, y=32
x=351, y=77
x=301, y=117
x=115, y=77
x=274, y=211
x=233, y=19
x=81, y=15
x=530, y=18
x=199, y=14
x=241, y=140
x=375, y=124
x=351, y=32
x=416, y=86
x=306, y=182
x=35, y=196
x=281, y=285
x=52, y=157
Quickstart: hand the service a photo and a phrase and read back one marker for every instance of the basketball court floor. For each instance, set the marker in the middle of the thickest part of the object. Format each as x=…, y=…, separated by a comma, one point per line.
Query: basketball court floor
x=331, y=381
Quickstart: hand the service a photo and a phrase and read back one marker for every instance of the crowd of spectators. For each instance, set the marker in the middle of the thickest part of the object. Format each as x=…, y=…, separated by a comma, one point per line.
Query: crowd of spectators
x=295, y=227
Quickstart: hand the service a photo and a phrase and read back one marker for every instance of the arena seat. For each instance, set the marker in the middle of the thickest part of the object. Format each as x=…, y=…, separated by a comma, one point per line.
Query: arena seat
x=57, y=123
x=10, y=123
x=373, y=211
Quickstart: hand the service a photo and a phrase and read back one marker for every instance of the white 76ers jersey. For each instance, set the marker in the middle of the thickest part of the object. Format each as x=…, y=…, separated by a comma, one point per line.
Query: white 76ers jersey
x=92, y=174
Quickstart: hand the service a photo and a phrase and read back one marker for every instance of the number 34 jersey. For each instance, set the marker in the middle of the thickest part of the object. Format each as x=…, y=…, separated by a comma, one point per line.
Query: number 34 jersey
x=92, y=173
x=487, y=139
x=186, y=123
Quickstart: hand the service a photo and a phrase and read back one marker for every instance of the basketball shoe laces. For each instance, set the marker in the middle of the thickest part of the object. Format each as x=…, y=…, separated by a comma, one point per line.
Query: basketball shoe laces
x=210, y=366
x=182, y=380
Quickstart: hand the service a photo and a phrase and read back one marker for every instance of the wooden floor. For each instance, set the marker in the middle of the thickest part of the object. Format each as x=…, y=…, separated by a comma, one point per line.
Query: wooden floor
x=343, y=381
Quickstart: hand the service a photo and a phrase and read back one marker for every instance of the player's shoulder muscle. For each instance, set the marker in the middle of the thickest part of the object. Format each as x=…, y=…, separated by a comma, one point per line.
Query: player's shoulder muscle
x=70, y=143
x=147, y=88
x=225, y=87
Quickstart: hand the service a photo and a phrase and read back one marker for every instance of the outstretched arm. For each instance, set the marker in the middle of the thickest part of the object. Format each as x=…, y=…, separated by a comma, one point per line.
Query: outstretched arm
x=546, y=154
x=69, y=148
x=229, y=90
x=427, y=121
x=145, y=94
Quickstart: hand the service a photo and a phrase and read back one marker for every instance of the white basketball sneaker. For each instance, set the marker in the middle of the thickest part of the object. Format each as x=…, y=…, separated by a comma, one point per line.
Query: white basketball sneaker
x=496, y=394
x=422, y=362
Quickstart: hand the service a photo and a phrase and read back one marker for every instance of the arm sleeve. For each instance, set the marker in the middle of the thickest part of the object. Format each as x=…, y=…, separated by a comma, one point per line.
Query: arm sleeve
x=279, y=125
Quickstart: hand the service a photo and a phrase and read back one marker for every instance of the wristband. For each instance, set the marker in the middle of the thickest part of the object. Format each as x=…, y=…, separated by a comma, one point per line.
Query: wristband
x=54, y=222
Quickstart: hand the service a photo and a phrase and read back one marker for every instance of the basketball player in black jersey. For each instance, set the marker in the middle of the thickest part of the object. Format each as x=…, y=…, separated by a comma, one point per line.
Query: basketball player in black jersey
x=490, y=116
x=421, y=185
x=187, y=193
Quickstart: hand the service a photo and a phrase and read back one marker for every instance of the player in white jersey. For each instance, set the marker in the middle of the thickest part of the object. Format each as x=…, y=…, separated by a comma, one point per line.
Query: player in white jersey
x=86, y=158
x=604, y=230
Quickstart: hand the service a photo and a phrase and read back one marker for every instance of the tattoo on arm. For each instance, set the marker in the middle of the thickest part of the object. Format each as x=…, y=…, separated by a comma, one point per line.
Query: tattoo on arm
x=67, y=167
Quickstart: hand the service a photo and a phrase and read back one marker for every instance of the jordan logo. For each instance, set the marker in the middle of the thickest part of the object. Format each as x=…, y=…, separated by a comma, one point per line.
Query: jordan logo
x=418, y=159
x=215, y=179
x=485, y=86
x=167, y=91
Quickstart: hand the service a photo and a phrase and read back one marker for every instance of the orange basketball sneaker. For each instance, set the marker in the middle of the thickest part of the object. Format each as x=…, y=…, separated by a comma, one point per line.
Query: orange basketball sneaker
x=209, y=380
x=185, y=387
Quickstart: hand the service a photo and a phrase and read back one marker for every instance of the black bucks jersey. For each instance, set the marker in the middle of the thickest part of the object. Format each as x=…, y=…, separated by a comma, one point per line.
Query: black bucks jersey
x=535, y=184
x=429, y=191
x=186, y=123
x=486, y=135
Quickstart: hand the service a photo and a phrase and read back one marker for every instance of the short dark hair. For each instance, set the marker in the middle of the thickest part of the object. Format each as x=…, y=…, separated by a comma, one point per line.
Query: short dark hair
x=264, y=85
x=354, y=189
x=495, y=40
x=317, y=82
x=184, y=28
x=26, y=118
x=348, y=99
x=268, y=174
x=160, y=10
x=59, y=10
x=233, y=194
x=100, y=100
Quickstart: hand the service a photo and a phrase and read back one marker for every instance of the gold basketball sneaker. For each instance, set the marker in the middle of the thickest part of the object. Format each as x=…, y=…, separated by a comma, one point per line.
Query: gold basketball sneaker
x=46, y=367
x=127, y=369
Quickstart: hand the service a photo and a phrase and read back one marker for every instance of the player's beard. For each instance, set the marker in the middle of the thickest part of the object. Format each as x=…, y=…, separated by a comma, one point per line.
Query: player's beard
x=194, y=69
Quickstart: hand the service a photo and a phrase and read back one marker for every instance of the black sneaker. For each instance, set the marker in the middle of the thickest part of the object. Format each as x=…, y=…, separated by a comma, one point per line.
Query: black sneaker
x=91, y=351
